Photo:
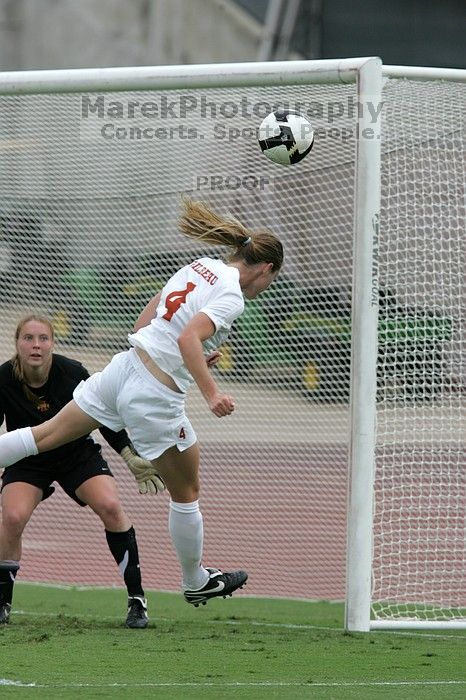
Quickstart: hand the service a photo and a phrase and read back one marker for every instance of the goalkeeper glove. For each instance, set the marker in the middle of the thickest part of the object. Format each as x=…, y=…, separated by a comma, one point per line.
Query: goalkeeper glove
x=148, y=480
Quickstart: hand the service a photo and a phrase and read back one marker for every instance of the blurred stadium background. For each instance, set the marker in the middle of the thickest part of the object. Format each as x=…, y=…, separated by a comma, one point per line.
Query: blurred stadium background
x=87, y=33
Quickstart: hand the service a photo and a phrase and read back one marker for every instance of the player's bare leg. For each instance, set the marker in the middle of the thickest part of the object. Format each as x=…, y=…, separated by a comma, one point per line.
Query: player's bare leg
x=19, y=501
x=68, y=424
x=180, y=472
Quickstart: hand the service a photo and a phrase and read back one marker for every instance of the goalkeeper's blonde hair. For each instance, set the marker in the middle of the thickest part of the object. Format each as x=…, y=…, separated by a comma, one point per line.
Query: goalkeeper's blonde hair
x=200, y=222
x=18, y=370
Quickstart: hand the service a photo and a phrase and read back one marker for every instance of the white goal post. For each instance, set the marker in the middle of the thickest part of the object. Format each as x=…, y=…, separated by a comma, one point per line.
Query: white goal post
x=415, y=572
x=357, y=357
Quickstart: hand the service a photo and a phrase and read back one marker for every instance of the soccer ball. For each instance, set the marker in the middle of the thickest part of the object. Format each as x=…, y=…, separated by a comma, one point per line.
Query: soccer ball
x=285, y=137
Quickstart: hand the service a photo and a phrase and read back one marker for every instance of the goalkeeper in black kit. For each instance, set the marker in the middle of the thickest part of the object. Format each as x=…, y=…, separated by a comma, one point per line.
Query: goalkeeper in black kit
x=34, y=386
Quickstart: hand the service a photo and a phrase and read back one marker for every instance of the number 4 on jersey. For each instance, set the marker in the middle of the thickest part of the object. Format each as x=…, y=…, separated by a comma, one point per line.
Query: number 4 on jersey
x=174, y=300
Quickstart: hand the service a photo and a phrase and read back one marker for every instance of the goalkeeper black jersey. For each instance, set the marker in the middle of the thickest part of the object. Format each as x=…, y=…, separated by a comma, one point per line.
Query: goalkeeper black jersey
x=18, y=411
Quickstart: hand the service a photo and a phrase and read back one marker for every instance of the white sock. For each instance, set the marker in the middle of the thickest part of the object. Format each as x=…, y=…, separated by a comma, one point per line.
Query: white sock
x=16, y=445
x=187, y=534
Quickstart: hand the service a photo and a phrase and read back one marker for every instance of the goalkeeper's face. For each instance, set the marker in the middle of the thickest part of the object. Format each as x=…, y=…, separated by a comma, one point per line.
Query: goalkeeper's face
x=35, y=346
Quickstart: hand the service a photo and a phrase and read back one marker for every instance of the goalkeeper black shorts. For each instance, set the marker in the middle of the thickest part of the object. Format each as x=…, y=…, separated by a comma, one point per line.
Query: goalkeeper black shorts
x=69, y=473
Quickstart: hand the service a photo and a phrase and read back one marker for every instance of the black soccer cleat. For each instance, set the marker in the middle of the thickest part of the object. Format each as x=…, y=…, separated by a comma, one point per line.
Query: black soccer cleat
x=219, y=584
x=137, y=613
x=5, y=609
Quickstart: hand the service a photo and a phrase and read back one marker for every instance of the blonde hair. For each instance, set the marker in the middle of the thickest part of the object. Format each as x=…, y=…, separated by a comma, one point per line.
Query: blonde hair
x=200, y=222
x=18, y=369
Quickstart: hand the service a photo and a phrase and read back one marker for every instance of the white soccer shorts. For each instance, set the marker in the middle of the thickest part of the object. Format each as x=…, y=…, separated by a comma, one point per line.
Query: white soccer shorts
x=126, y=395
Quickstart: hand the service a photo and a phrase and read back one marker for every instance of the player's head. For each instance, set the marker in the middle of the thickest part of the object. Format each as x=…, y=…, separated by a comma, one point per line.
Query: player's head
x=251, y=247
x=34, y=340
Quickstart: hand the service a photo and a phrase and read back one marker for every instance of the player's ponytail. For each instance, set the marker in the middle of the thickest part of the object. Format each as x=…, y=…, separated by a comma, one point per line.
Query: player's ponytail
x=200, y=222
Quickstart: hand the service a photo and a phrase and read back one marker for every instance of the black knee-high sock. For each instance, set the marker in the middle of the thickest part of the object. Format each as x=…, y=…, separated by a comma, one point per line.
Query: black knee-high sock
x=8, y=571
x=124, y=549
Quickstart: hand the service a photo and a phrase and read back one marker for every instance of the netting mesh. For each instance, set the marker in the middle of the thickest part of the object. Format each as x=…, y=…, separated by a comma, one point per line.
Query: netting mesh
x=89, y=205
x=89, y=198
x=419, y=527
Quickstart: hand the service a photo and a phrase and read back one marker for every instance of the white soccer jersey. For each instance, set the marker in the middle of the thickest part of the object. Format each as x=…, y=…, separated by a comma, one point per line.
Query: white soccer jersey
x=206, y=285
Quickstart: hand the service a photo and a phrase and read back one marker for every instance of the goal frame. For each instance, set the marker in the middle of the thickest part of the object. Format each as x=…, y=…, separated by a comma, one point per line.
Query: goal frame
x=367, y=74
x=361, y=488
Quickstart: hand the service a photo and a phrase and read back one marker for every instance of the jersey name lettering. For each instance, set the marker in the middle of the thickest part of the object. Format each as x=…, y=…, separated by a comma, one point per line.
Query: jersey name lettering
x=204, y=272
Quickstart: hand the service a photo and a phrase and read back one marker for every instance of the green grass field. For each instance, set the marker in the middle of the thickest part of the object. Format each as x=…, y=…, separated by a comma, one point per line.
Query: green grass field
x=71, y=643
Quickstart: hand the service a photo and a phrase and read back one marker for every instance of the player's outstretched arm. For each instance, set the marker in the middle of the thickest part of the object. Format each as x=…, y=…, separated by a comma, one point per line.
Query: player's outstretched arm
x=190, y=343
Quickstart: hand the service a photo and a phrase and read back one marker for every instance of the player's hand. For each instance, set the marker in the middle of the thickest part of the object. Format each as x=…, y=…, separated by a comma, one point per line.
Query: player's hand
x=221, y=405
x=213, y=358
x=147, y=479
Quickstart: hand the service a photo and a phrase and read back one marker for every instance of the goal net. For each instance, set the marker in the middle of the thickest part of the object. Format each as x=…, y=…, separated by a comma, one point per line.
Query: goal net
x=94, y=165
x=419, y=528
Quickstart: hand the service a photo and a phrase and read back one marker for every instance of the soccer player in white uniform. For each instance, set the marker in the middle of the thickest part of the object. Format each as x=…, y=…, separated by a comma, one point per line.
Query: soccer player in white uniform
x=144, y=388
